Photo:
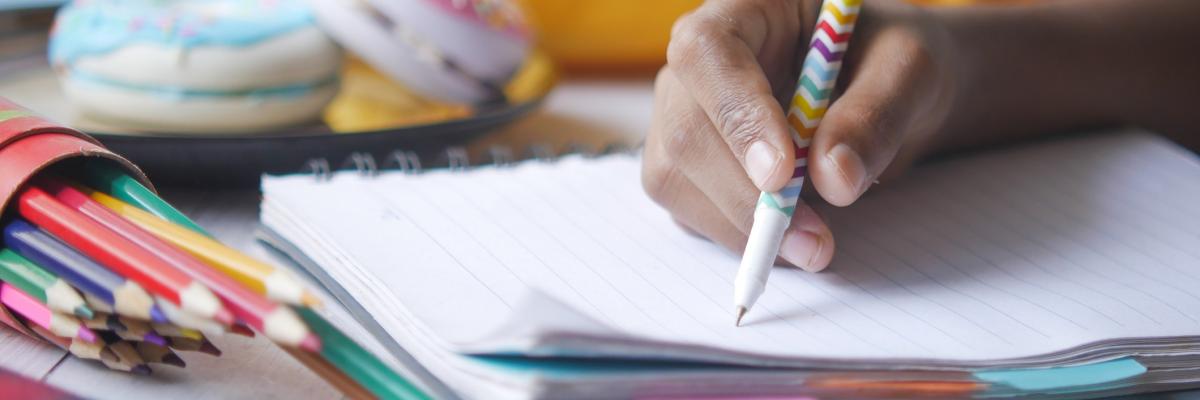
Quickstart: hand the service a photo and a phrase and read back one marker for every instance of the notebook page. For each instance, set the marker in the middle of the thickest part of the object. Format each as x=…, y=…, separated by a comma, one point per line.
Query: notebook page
x=1007, y=255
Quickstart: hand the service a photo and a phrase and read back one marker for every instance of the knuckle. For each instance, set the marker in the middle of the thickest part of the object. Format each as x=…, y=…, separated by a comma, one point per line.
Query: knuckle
x=659, y=178
x=741, y=123
x=678, y=141
x=692, y=37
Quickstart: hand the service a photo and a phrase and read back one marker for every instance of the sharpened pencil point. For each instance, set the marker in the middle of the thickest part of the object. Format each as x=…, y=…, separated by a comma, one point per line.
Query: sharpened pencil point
x=310, y=300
x=141, y=370
x=86, y=334
x=224, y=317
x=172, y=359
x=155, y=338
x=84, y=312
x=208, y=348
x=311, y=343
x=157, y=315
x=741, y=312
x=243, y=330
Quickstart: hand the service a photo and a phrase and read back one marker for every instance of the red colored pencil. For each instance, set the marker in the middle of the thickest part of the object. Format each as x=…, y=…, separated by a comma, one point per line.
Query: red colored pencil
x=95, y=239
x=278, y=322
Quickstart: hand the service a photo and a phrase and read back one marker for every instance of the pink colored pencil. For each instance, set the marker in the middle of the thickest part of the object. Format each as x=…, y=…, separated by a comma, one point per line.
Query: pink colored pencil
x=61, y=325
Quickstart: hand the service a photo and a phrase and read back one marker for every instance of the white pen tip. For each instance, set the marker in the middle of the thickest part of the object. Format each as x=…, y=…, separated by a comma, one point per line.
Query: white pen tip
x=741, y=312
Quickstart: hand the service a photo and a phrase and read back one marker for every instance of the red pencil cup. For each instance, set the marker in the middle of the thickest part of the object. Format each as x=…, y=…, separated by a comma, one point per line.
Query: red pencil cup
x=30, y=144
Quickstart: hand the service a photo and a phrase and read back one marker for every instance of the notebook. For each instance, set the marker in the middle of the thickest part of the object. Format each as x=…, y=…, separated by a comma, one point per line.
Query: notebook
x=564, y=278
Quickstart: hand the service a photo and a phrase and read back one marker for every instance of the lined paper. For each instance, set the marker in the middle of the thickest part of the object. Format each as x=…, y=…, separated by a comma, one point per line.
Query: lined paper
x=1019, y=256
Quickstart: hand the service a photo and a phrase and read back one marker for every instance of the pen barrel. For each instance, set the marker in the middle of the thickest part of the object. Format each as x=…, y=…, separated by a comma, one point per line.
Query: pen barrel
x=761, y=248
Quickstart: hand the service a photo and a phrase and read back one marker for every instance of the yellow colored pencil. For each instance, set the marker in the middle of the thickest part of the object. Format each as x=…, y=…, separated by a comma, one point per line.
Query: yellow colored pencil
x=277, y=284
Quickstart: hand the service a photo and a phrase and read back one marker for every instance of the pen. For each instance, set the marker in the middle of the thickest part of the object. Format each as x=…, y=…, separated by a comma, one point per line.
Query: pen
x=774, y=210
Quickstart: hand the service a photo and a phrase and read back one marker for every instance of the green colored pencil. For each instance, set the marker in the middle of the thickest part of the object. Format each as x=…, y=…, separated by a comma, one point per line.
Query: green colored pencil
x=107, y=179
x=43, y=285
x=356, y=362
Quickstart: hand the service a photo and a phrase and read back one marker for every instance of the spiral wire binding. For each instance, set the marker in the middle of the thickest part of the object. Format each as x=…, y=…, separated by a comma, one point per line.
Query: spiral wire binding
x=364, y=163
x=404, y=161
x=453, y=158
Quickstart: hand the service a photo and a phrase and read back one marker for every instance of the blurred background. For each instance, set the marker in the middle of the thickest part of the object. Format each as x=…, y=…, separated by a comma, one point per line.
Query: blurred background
x=537, y=77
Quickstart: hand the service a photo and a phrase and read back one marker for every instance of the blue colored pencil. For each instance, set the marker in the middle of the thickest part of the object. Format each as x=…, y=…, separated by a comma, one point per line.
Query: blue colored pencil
x=125, y=297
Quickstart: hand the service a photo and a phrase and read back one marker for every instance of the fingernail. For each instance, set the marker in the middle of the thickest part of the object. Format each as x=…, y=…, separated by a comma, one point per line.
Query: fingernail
x=801, y=248
x=850, y=165
x=761, y=161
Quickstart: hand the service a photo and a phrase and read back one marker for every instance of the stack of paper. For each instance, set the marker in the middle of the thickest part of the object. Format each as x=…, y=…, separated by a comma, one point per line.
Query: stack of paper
x=970, y=276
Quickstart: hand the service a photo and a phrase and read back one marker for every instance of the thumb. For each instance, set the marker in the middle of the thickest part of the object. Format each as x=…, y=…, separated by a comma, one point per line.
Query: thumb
x=865, y=128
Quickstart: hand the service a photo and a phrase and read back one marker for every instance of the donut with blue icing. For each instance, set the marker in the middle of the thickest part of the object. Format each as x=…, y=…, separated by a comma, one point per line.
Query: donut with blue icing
x=206, y=66
x=459, y=51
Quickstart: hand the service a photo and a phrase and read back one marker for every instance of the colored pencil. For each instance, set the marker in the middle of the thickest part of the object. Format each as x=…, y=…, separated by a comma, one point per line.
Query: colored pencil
x=37, y=313
x=128, y=359
x=185, y=344
x=41, y=284
x=158, y=354
x=95, y=231
x=348, y=387
x=276, y=321
x=359, y=364
x=110, y=180
x=86, y=350
x=102, y=321
x=169, y=330
x=243, y=330
x=351, y=357
x=277, y=284
x=186, y=320
x=97, y=350
x=138, y=331
x=103, y=289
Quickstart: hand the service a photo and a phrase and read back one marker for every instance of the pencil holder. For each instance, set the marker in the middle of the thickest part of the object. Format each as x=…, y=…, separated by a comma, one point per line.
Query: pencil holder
x=30, y=144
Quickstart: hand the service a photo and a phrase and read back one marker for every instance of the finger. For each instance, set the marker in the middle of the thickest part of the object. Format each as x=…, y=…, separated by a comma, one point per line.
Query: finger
x=862, y=131
x=694, y=149
x=714, y=53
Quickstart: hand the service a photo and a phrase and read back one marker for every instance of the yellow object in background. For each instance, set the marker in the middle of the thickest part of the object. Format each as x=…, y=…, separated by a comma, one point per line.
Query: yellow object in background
x=622, y=35
x=369, y=100
x=599, y=35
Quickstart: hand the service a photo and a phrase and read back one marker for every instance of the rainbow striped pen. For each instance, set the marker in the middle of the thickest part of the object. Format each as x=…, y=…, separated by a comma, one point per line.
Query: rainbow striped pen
x=774, y=210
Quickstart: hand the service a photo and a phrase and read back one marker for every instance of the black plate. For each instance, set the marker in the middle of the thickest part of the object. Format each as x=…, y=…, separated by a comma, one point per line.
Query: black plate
x=238, y=161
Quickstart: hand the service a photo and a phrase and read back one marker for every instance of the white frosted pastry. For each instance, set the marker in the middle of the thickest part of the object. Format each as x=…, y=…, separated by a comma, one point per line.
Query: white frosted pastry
x=203, y=66
x=460, y=51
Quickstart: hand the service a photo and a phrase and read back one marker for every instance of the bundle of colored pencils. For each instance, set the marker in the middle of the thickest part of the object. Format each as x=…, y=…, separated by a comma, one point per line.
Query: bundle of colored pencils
x=108, y=271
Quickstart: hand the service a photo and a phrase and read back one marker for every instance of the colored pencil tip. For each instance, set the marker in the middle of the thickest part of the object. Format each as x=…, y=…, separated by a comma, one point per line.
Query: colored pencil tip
x=84, y=312
x=107, y=355
x=741, y=312
x=224, y=316
x=157, y=315
x=239, y=329
x=86, y=334
x=155, y=338
x=208, y=348
x=310, y=300
x=173, y=359
x=311, y=343
x=142, y=369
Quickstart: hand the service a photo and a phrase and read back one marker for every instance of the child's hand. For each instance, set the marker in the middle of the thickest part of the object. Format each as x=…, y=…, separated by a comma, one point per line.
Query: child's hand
x=719, y=134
